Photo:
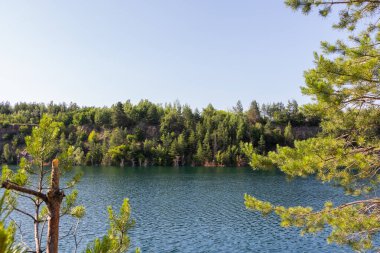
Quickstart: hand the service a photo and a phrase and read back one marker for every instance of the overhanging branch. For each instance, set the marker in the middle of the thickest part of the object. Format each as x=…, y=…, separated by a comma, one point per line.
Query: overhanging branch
x=12, y=186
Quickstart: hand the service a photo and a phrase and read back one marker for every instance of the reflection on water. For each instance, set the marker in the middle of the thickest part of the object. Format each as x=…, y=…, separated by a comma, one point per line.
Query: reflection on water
x=199, y=209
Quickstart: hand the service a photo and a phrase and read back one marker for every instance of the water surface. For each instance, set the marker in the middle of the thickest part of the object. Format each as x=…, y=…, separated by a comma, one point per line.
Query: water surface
x=199, y=209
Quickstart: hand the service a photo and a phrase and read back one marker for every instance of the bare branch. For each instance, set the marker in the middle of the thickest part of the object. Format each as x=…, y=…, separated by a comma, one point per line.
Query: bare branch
x=25, y=213
x=29, y=249
x=12, y=186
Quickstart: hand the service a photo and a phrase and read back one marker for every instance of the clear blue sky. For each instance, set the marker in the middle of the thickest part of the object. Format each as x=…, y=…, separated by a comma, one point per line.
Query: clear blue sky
x=197, y=51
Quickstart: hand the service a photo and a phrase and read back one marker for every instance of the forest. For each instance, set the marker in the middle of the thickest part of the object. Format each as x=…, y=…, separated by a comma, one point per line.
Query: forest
x=148, y=134
x=334, y=140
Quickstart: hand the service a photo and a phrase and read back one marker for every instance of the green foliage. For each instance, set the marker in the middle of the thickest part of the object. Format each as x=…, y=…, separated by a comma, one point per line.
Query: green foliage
x=345, y=87
x=350, y=224
x=78, y=212
x=7, y=232
x=260, y=162
x=69, y=206
x=94, y=154
x=78, y=156
x=100, y=245
x=351, y=12
x=103, y=117
x=117, y=154
x=19, y=177
x=7, y=153
x=42, y=144
x=116, y=240
x=118, y=116
x=288, y=134
x=171, y=132
x=261, y=144
x=75, y=179
x=7, y=239
x=253, y=113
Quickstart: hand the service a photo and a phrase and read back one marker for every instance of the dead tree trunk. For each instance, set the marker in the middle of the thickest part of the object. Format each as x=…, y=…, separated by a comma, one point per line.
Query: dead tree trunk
x=176, y=161
x=54, y=200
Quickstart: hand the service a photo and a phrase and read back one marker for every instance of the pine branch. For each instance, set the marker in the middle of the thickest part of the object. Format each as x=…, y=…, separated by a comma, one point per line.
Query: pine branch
x=12, y=186
x=342, y=2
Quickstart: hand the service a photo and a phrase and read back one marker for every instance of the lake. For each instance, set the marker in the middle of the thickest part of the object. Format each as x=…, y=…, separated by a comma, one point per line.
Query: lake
x=198, y=209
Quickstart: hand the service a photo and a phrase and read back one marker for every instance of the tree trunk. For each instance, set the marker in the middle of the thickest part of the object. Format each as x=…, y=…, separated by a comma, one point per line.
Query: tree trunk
x=55, y=197
x=140, y=162
x=36, y=238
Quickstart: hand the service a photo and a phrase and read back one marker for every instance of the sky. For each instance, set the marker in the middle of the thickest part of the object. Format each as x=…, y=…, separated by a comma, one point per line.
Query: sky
x=96, y=53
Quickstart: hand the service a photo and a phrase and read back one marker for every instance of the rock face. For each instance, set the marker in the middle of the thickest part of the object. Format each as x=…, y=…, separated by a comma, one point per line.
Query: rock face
x=13, y=133
x=305, y=132
x=10, y=129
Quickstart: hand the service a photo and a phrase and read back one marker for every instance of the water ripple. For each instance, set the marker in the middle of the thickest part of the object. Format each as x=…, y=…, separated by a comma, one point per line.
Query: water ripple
x=200, y=209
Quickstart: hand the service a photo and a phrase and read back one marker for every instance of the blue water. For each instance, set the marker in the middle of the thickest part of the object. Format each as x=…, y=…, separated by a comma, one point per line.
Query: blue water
x=198, y=209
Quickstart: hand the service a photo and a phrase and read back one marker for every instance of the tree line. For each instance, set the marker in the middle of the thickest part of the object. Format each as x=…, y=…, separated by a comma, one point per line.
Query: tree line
x=345, y=86
x=148, y=134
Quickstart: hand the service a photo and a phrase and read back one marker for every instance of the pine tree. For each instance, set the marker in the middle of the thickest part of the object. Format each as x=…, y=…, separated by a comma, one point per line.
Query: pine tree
x=238, y=108
x=43, y=145
x=261, y=144
x=118, y=117
x=253, y=113
x=116, y=240
x=199, y=156
x=288, y=134
x=345, y=85
x=48, y=196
